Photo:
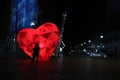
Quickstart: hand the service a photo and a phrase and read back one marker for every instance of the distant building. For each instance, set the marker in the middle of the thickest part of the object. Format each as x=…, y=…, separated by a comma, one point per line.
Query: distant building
x=110, y=43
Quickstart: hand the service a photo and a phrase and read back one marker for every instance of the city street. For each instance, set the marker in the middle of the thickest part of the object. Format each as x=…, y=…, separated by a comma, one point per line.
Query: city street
x=66, y=68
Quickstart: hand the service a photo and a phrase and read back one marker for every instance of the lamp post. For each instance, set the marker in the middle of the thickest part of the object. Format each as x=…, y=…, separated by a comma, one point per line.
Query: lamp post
x=101, y=43
x=64, y=15
x=89, y=46
x=101, y=37
x=89, y=41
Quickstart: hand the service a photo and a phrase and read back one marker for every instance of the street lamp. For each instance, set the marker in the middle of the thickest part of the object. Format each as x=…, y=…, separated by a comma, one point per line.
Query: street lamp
x=84, y=42
x=89, y=41
x=81, y=44
x=101, y=36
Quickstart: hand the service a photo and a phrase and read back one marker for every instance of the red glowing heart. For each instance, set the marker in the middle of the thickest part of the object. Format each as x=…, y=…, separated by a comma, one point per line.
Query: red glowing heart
x=47, y=35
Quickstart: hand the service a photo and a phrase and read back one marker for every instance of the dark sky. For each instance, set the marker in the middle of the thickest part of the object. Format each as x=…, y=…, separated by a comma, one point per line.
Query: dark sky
x=85, y=18
x=5, y=9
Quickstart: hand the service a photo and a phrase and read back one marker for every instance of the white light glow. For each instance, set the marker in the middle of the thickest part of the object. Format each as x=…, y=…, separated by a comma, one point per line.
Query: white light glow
x=32, y=24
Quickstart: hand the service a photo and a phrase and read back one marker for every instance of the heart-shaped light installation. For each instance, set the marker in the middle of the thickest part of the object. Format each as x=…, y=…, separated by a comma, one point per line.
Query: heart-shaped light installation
x=47, y=35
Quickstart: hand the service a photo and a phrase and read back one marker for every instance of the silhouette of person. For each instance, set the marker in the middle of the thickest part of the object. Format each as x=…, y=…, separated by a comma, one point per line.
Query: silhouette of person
x=35, y=53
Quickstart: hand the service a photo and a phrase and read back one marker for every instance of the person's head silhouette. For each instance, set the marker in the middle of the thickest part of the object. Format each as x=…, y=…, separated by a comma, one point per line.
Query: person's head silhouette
x=36, y=44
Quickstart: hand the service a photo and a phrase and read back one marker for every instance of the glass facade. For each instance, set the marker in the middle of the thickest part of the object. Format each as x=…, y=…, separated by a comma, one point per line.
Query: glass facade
x=24, y=12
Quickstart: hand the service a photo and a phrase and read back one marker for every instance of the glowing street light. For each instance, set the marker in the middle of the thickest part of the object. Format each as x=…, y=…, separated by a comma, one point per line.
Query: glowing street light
x=89, y=41
x=101, y=46
x=101, y=36
x=84, y=42
x=81, y=44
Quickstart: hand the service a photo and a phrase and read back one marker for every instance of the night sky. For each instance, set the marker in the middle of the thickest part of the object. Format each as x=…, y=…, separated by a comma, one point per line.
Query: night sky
x=85, y=18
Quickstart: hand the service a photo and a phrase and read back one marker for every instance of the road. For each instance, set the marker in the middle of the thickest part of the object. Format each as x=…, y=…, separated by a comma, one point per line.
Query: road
x=65, y=68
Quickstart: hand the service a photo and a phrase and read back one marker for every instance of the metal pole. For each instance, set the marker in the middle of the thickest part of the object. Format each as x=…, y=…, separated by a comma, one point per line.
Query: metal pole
x=64, y=15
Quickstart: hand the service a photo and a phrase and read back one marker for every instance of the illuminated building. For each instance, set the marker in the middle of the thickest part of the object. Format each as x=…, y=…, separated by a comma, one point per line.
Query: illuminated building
x=24, y=14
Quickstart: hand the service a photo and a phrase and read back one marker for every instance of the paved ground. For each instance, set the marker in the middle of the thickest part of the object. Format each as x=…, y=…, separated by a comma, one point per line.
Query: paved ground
x=66, y=68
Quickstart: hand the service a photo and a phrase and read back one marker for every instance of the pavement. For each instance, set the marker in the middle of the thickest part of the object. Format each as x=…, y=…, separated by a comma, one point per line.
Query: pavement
x=61, y=68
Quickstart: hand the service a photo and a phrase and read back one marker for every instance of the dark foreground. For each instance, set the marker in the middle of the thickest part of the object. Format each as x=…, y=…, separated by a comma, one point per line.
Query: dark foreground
x=66, y=68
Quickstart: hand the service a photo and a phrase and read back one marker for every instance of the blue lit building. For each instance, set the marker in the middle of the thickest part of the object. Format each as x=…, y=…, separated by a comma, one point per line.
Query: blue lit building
x=24, y=14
